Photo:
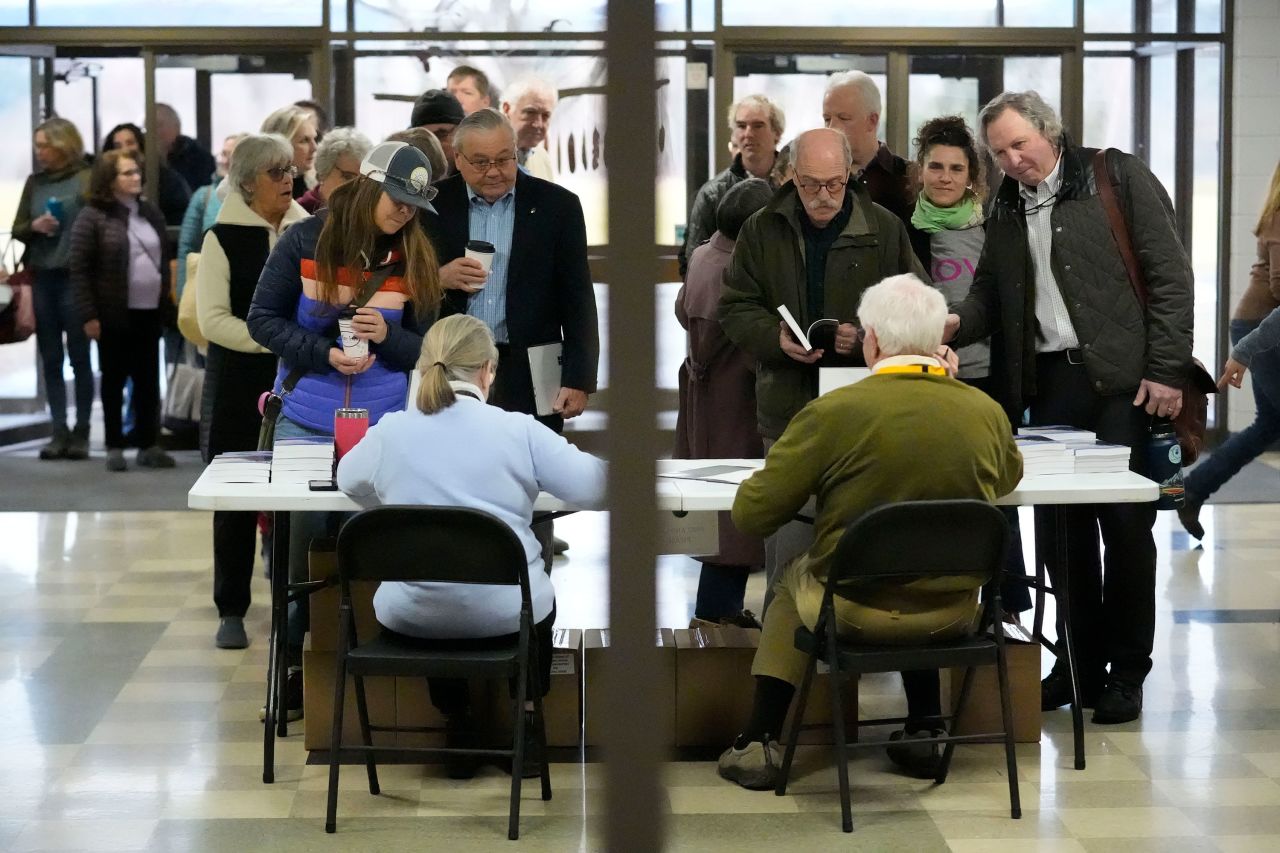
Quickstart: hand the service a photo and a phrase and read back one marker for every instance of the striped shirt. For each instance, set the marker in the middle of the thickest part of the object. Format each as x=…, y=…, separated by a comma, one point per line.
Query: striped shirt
x=493, y=223
x=1056, y=331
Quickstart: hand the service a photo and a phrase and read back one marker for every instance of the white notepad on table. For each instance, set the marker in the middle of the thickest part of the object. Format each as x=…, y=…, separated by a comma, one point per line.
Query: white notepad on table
x=544, y=369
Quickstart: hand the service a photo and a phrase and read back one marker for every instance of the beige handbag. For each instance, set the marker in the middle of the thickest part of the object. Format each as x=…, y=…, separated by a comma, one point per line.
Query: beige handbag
x=188, y=322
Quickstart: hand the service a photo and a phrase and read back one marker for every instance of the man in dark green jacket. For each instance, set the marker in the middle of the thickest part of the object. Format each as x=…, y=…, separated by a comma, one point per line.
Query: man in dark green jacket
x=1072, y=341
x=815, y=248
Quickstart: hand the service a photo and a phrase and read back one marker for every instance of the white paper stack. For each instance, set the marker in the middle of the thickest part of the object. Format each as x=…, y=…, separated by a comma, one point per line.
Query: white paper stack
x=299, y=460
x=1041, y=455
x=1098, y=457
x=250, y=466
x=1059, y=432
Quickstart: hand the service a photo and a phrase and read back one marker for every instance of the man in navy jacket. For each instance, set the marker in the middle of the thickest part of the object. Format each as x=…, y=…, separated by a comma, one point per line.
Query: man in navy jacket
x=538, y=289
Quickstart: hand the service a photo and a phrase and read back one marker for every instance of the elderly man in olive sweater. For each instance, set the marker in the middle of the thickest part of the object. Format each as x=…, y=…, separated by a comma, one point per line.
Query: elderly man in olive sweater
x=910, y=431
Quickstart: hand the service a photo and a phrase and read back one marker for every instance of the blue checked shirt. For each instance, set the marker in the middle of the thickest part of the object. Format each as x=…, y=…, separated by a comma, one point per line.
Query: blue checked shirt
x=493, y=223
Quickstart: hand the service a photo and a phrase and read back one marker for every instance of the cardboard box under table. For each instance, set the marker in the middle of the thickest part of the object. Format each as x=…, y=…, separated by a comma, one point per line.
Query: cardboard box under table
x=982, y=713
x=660, y=705
x=715, y=689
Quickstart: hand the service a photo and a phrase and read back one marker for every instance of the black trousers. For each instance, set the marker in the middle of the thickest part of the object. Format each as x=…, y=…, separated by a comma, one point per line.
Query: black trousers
x=131, y=351
x=235, y=538
x=1113, y=592
x=452, y=695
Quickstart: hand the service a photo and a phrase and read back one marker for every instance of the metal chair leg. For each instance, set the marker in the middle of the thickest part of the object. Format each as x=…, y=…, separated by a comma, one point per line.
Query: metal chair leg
x=366, y=736
x=1006, y=715
x=962, y=701
x=517, y=751
x=335, y=738
x=842, y=752
x=1062, y=593
x=789, y=754
x=277, y=660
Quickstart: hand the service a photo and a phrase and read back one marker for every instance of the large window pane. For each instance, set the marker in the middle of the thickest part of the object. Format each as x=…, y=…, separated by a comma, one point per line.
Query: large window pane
x=142, y=13
x=672, y=191
x=1160, y=157
x=463, y=16
x=17, y=361
x=1208, y=16
x=1108, y=102
x=867, y=13
x=242, y=101
x=1041, y=73
x=13, y=13
x=386, y=85
x=120, y=94
x=1108, y=16
x=1039, y=13
x=1206, y=202
x=1164, y=16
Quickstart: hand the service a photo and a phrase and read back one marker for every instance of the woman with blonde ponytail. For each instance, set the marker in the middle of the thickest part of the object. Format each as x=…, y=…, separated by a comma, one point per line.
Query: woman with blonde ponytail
x=452, y=449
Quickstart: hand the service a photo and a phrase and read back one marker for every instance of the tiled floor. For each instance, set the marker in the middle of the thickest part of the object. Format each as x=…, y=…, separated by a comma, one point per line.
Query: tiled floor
x=122, y=728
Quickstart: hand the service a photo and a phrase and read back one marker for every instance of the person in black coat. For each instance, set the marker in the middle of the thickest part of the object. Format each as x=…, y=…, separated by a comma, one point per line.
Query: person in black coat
x=538, y=289
x=174, y=192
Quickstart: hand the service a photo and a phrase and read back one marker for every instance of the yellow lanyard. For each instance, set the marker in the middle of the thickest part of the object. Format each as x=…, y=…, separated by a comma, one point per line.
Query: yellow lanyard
x=931, y=369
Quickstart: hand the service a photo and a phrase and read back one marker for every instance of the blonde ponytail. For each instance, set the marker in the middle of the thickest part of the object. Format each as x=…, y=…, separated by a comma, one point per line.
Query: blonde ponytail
x=454, y=348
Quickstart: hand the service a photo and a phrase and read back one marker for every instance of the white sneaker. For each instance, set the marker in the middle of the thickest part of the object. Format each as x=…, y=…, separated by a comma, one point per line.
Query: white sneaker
x=755, y=766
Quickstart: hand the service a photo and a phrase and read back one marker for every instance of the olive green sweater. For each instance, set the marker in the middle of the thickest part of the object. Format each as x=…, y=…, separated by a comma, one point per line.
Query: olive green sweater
x=891, y=437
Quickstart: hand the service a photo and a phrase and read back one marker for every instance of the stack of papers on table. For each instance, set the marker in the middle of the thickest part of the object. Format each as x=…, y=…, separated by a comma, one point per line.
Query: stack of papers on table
x=1098, y=457
x=1041, y=455
x=736, y=474
x=299, y=460
x=1059, y=432
x=250, y=466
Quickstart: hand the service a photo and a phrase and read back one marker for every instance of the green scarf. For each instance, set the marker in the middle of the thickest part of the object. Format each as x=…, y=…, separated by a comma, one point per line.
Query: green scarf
x=930, y=218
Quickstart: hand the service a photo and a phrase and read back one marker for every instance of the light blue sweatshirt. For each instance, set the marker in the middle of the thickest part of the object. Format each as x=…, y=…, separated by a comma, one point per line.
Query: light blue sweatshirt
x=474, y=455
x=1261, y=339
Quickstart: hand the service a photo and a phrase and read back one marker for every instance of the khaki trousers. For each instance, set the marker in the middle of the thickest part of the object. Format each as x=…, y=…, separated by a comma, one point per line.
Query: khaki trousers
x=880, y=616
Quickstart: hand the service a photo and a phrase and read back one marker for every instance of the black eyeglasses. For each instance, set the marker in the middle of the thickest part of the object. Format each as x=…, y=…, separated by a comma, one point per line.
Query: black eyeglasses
x=277, y=173
x=484, y=164
x=832, y=186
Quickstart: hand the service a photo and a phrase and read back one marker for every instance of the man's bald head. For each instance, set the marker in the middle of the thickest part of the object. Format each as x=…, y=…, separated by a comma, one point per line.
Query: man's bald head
x=822, y=162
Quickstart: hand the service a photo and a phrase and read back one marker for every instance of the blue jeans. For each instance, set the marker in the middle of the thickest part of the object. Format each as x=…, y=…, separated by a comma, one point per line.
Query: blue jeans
x=1245, y=446
x=56, y=316
x=303, y=527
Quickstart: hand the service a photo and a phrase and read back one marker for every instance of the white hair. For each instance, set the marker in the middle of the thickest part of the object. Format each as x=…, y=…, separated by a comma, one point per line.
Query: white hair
x=860, y=80
x=906, y=314
x=336, y=143
x=526, y=86
x=256, y=153
x=777, y=119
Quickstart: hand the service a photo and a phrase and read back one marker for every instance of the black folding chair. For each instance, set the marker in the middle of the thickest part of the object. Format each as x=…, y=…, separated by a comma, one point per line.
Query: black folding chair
x=441, y=544
x=904, y=541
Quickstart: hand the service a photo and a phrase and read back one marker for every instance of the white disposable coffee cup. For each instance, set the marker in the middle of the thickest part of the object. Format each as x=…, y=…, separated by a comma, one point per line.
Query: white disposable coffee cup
x=483, y=252
x=352, y=346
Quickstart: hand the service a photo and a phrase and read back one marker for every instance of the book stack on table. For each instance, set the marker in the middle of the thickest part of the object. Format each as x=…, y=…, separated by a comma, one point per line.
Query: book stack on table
x=1085, y=454
x=1042, y=455
x=249, y=466
x=297, y=461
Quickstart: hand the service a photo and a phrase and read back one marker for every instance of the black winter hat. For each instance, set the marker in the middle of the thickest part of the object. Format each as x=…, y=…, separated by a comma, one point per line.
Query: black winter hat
x=436, y=106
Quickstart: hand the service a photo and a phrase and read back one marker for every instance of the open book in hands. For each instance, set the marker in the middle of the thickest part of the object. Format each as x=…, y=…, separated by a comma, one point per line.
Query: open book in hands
x=821, y=334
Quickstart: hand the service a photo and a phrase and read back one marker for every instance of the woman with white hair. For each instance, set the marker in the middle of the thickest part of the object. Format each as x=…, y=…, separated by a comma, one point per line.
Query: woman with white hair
x=337, y=162
x=298, y=126
x=258, y=208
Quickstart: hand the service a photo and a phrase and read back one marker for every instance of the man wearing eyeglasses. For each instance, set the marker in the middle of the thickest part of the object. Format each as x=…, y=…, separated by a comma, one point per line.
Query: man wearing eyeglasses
x=538, y=286
x=815, y=248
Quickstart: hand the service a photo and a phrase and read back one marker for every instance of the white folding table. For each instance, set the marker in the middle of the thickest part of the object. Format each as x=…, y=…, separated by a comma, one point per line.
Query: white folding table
x=679, y=495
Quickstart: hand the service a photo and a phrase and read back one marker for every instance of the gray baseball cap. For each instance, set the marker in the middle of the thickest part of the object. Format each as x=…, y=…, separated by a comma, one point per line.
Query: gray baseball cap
x=402, y=170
